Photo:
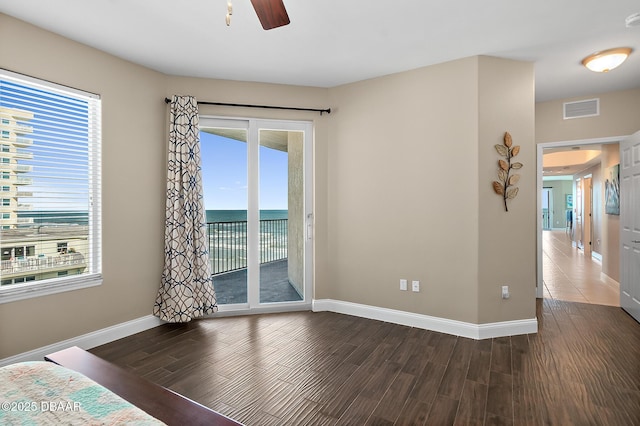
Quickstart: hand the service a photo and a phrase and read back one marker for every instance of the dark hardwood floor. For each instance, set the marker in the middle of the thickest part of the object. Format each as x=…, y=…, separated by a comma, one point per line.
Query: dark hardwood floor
x=303, y=368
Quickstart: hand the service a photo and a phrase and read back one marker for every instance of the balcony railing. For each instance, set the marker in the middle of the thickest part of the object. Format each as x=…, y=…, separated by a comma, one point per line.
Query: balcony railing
x=40, y=264
x=24, y=155
x=228, y=243
x=23, y=128
x=22, y=168
x=23, y=181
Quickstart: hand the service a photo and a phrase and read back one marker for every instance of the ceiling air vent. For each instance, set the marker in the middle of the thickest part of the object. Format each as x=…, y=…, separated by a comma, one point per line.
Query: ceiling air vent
x=580, y=109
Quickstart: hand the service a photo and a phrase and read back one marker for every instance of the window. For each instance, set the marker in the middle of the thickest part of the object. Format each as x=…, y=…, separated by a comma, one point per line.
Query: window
x=6, y=188
x=5, y=160
x=51, y=241
x=6, y=215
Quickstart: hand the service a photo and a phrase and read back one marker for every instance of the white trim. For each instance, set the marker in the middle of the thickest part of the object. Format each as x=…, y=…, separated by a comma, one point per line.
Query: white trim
x=32, y=289
x=89, y=340
x=604, y=277
x=253, y=127
x=596, y=256
x=539, y=227
x=442, y=325
x=263, y=308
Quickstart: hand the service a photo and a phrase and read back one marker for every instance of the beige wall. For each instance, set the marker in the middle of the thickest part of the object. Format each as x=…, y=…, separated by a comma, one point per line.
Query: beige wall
x=610, y=223
x=402, y=186
x=134, y=157
x=403, y=191
x=506, y=250
x=296, y=224
x=618, y=117
x=133, y=172
x=411, y=161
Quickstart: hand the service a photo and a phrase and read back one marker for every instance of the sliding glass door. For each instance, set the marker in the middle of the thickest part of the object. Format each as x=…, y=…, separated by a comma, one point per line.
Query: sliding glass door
x=257, y=180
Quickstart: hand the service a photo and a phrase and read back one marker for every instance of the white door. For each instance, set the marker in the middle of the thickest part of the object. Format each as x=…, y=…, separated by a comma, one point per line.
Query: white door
x=630, y=225
x=257, y=177
x=586, y=216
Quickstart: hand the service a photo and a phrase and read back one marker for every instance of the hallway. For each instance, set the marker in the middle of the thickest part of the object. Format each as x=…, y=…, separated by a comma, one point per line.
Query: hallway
x=568, y=275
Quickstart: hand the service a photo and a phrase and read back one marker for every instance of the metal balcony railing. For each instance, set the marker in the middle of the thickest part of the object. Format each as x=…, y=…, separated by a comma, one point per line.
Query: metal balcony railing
x=40, y=264
x=228, y=243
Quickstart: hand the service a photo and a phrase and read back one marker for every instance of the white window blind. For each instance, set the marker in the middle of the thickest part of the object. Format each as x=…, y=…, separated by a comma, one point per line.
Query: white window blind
x=50, y=231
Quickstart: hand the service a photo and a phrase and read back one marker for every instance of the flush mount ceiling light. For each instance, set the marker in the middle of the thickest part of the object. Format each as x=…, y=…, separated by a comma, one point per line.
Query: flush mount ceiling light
x=607, y=59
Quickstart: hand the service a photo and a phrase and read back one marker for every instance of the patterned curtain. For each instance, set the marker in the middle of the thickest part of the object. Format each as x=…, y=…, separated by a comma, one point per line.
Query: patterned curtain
x=186, y=290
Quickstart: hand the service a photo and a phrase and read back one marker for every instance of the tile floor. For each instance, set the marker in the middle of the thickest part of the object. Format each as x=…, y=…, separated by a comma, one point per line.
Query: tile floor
x=570, y=276
x=231, y=287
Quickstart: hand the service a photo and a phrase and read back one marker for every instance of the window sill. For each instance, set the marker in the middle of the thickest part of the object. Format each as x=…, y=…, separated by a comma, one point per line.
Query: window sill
x=15, y=292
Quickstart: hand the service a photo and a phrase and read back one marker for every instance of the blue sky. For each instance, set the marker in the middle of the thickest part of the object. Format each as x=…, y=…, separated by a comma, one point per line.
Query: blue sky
x=224, y=175
x=59, y=137
x=63, y=132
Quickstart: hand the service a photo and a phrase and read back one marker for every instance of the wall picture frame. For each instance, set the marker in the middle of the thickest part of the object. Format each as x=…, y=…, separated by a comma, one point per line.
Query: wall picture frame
x=568, y=201
x=612, y=190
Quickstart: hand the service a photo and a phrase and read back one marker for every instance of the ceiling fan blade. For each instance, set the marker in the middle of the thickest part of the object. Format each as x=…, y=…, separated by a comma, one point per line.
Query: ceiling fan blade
x=271, y=13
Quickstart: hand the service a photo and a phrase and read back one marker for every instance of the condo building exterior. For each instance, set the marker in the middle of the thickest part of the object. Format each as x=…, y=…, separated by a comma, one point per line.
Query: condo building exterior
x=30, y=249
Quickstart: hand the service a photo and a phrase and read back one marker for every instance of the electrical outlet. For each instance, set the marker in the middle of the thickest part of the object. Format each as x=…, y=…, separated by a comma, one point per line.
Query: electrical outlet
x=403, y=285
x=505, y=291
x=415, y=286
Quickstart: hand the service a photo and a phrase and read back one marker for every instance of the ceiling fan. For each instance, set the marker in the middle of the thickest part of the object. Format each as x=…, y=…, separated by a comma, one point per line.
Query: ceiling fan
x=271, y=13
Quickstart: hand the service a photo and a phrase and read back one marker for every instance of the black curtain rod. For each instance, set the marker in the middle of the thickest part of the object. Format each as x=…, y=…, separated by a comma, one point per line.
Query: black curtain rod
x=328, y=110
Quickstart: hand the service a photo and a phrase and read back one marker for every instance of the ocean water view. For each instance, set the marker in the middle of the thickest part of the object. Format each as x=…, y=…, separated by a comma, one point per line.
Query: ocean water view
x=241, y=215
x=80, y=217
x=56, y=217
x=227, y=230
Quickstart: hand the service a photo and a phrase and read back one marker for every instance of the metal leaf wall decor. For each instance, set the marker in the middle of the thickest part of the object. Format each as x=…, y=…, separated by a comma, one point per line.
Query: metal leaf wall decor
x=506, y=178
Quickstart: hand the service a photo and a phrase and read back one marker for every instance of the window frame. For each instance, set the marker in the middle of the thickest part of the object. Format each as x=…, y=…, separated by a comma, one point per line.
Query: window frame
x=93, y=277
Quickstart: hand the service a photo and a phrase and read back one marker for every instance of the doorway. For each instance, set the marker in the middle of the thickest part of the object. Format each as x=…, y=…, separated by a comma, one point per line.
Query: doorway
x=257, y=177
x=571, y=213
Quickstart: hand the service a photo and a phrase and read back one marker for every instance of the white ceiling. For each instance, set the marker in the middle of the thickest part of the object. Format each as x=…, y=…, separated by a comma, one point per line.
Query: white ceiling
x=333, y=42
x=570, y=160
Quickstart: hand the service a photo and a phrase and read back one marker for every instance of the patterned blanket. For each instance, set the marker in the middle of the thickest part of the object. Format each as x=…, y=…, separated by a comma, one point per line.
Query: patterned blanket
x=44, y=393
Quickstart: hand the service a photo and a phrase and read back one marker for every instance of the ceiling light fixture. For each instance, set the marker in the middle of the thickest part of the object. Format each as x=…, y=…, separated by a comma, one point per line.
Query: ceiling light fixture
x=607, y=59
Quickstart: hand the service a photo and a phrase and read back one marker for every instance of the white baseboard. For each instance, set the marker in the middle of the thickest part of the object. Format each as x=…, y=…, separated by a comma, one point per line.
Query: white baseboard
x=89, y=340
x=607, y=279
x=442, y=325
